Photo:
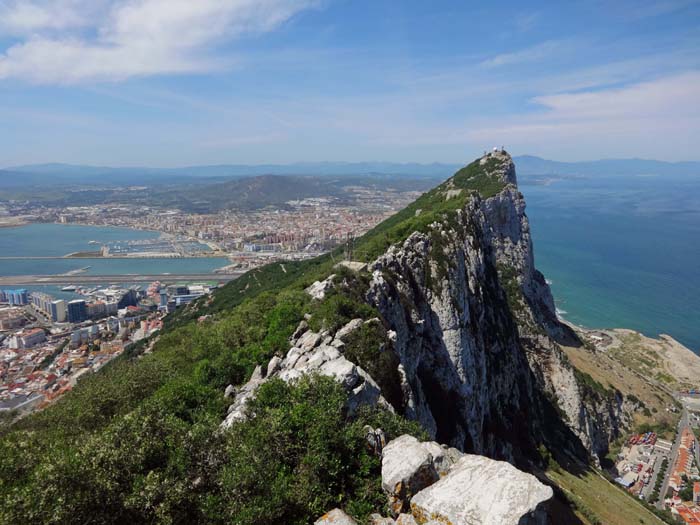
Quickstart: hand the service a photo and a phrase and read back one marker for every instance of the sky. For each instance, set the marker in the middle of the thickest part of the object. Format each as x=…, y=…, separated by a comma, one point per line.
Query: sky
x=183, y=82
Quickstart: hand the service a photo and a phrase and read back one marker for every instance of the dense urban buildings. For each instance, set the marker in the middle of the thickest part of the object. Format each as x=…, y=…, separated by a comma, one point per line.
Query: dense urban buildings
x=47, y=344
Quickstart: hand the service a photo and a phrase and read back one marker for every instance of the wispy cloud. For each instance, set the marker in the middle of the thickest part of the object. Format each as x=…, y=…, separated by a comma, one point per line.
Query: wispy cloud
x=69, y=41
x=529, y=54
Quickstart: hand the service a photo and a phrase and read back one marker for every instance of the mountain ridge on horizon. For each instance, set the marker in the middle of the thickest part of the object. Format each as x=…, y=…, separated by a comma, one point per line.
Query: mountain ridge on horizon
x=527, y=165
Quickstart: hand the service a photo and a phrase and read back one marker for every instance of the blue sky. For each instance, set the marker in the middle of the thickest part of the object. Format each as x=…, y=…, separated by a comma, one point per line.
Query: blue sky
x=182, y=82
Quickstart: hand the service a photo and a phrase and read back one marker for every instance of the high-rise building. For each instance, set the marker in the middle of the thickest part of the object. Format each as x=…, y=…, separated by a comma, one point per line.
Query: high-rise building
x=77, y=311
x=16, y=297
x=129, y=298
x=59, y=311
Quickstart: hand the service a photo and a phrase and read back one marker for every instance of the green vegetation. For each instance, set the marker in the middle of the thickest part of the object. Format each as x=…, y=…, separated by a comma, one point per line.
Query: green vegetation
x=439, y=204
x=165, y=462
x=597, y=501
x=659, y=481
x=591, y=387
x=139, y=441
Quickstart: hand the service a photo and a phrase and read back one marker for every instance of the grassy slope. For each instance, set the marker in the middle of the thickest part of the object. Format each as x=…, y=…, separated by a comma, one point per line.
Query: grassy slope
x=185, y=346
x=595, y=498
x=433, y=205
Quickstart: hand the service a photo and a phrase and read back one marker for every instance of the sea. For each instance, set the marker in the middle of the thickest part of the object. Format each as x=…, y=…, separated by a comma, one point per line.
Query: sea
x=621, y=252
x=43, y=240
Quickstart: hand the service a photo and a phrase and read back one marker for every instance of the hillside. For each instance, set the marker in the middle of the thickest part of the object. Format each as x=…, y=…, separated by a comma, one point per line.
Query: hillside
x=449, y=334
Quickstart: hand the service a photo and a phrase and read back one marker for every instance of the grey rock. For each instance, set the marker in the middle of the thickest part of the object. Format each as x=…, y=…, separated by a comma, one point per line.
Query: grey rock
x=309, y=341
x=310, y=356
x=237, y=411
x=301, y=328
x=406, y=519
x=230, y=391
x=376, y=519
x=319, y=289
x=457, y=334
x=273, y=366
x=335, y=517
x=479, y=490
x=407, y=468
x=350, y=327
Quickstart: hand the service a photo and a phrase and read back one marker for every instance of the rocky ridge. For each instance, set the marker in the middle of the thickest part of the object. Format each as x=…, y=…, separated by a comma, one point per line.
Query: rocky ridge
x=473, y=328
x=476, y=330
x=430, y=483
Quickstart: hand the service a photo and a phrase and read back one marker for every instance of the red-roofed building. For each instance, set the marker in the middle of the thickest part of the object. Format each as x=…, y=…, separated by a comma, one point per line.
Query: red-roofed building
x=684, y=459
x=696, y=492
x=689, y=515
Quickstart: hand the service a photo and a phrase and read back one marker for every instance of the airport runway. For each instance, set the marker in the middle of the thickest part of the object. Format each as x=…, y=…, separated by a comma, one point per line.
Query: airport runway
x=28, y=280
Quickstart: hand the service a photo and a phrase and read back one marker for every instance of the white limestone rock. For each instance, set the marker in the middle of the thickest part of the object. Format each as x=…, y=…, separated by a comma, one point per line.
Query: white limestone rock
x=308, y=341
x=230, y=391
x=301, y=328
x=335, y=517
x=407, y=468
x=273, y=366
x=481, y=491
x=319, y=289
x=406, y=519
x=237, y=409
x=311, y=356
x=348, y=329
x=376, y=519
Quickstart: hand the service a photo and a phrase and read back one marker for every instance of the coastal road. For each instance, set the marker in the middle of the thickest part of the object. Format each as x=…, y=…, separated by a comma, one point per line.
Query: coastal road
x=682, y=424
x=28, y=280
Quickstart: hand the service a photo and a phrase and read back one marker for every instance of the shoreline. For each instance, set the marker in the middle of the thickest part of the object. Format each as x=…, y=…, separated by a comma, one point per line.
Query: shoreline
x=654, y=337
x=670, y=356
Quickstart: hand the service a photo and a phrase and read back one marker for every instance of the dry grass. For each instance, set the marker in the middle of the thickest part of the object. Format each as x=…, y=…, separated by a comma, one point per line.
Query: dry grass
x=598, y=501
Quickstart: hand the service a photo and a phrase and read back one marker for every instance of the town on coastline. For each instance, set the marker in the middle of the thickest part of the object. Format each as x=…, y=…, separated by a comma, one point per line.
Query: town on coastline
x=48, y=344
x=659, y=462
x=300, y=229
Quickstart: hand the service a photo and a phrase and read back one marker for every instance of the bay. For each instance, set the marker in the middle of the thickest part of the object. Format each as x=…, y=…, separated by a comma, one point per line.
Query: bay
x=42, y=240
x=621, y=252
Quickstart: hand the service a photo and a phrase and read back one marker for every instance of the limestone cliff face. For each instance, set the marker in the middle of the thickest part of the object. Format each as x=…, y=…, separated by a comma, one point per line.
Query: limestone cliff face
x=475, y=332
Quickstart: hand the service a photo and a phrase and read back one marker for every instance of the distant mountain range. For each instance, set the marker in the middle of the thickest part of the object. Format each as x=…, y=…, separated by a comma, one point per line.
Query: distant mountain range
x=58, y=174
x=529, y=165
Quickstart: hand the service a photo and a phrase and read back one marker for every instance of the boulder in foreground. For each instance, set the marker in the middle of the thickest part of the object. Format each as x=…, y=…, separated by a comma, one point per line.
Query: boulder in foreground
x=482, y=491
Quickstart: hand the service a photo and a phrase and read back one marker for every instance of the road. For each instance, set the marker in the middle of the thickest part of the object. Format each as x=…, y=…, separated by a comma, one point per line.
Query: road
x=27, y=280
x=682, y=424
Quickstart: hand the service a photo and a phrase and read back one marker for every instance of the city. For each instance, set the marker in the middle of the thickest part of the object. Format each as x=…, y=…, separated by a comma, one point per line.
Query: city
x=299, y=230
x=47, y=344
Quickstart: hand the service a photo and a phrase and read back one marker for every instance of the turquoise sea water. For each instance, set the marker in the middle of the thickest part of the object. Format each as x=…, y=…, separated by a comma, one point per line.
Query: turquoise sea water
x=622, y=252
x=62, y=239
x=619, y=252
x=58, y=240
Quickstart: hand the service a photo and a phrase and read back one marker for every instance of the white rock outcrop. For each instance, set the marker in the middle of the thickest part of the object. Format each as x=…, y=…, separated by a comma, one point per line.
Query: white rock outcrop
x=409, y=466
x=475, y=331
x=481, y=491
x=439, y=483
x=309, y=354
x=319, y=289
x=335, y=517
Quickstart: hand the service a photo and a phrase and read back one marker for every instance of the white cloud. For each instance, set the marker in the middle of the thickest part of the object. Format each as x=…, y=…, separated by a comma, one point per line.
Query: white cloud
x=128, y=38
x=669, y=96
x=528, y=54
x=661, y=116
x=29, y=17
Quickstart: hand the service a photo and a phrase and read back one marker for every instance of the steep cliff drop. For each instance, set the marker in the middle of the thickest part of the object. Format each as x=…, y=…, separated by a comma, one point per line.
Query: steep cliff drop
x=466, y=336
x=476, y=328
